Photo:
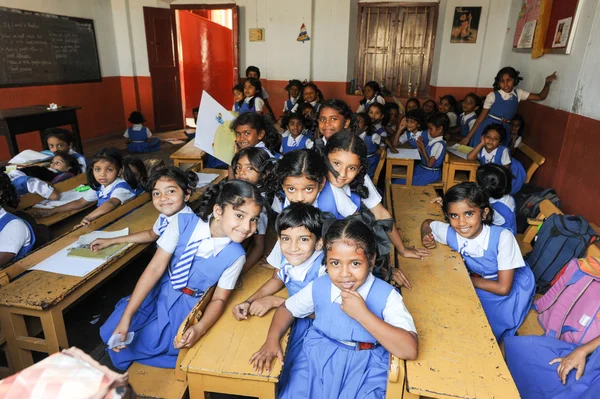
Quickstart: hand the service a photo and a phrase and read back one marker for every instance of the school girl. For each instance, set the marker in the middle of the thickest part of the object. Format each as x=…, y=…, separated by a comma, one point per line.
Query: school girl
x=254, y=73
x=371, y=94
x=471, y=106
x=432, y=155
x=504, y=283
x=59, y=139
x=490, y=150
x=334, y=116
x=139, y=137
x=412, y=104
x=517, y=126
x=170, y=189
x=16, y=235
x=359, y=321
x=294, y=89
x=501, y=105
x=449, y=106
x=252, y=130
x=295, y=137
x=312, y=95
x=108, y=188
x=135, y=173
x=391, y=113
x=414, y=130
x=194, y=253
x=252, y=97
x=379, y=122
x=24, y=184
x=495, y=182
x=238, y=97
x=429, y=108
x=371, y=139
x=62, y=167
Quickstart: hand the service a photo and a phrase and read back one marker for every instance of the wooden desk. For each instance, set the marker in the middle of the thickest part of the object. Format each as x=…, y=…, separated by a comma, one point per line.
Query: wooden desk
x=458, y=354
x=189, y=153
x=391, y=161
x=47, y=295
x=218, y=362
x=455, y=167
x=14, y=121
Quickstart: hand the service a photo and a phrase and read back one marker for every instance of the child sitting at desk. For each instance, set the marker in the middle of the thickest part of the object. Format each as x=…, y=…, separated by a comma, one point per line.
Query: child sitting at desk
x=59, y=139
x=63, y=167
x=16, y=235
x=24, y=184
x=359, y=321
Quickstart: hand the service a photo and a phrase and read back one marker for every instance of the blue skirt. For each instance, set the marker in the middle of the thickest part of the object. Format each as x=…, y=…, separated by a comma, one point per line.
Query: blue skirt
x=329, y=369
x=528, y=358
x=152, y=145
x=506, y=313
x=212, y=162
x=519, y=175
x=372, y=162
x=294, y=349
x=422, y=177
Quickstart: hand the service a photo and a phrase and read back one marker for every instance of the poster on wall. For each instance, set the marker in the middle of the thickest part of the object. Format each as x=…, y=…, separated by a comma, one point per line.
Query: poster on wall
x=465, y=25
x=530, y=10
x=561, y=36
x=527, y=35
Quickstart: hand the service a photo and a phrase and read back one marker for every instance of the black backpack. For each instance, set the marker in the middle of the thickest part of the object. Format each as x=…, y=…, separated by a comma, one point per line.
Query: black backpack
x=527, y=203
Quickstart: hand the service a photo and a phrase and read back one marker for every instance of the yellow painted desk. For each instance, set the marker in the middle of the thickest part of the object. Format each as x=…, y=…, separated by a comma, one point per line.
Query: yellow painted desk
x=393, y=161
x=47, y=295
x=218, y=362
x=460, y=170
x=189, y=153
x=458, y=354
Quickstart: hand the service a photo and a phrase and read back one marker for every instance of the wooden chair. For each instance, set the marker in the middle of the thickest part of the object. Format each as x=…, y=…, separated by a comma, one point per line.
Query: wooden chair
x=379, y=167
x=154, y=382
x=537, y=160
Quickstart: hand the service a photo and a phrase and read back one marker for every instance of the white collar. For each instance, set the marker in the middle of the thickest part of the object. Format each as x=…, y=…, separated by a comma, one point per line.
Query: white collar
x=465, y=116
x=414, y=135
x=137, y=126
x=482, y=240
x=489, y=155
x=506, y=200
x=202, y=232
x=313, y=103
x=363, y=135
x=292, y=140
x=433, y=140
x=106, y=189
x=302, y=269
x=363, y=290
x=260, y=144
x=2, y=212
x=294, y=99
x=247, y=99
x=186, y=209
x=508, y=96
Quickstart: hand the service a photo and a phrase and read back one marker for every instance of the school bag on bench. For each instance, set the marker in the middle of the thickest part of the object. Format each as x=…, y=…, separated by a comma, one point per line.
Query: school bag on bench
x=570, y=310
x=528, y=201
x=560, y=239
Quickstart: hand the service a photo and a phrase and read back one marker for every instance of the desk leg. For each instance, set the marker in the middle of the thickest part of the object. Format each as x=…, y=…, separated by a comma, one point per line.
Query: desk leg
x=388, y=169
x=55, y=332
x=76, y=134
x=11, y=140
x=410, y=169
x=266, y=390
x=13, y=326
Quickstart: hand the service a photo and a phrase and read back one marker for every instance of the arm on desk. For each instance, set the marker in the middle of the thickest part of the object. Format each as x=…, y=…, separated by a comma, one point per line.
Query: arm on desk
x=427, y=235
x=6, y=258
x=261, y=301
x=474, y=153
x=142, y=237
x=71, y=206
x=501, y=287
x=55, y=196
x=271, y=349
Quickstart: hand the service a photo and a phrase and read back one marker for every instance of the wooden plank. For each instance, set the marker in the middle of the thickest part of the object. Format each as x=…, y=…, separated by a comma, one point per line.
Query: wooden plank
x=189, y=153
x=458, y=354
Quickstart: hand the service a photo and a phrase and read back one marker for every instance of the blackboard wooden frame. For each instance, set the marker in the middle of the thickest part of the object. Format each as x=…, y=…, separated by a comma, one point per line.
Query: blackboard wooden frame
x=60, y=82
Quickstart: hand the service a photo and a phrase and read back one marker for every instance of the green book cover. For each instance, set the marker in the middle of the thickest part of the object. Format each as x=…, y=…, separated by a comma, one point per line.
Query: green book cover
x=106, y=253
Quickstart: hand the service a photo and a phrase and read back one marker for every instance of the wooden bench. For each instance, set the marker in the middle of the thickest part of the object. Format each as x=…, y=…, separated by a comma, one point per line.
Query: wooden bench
x=458, y=354
x=537, y=160
x=459, y=170
x=189, y=153
x=46, y=295
x=399, y=168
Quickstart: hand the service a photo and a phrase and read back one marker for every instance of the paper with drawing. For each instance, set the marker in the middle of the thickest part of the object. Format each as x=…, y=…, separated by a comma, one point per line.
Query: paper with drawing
x=213, y=134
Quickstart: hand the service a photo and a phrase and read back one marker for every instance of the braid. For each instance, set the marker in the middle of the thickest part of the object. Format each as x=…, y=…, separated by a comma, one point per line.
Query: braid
x=8, y=193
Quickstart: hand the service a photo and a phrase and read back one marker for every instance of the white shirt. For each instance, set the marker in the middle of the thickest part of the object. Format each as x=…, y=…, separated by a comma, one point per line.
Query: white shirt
x=264, y=93
x=489, y=156
x=509, y=254
x=259, y=104
x=34, y=185
x=285, y=103
x=261, y=144
x=343, y=203
x=293, y=142
x=452, y=116
x=138, y=127
x=376, y=138
x=436, y=145
x=209, y=246
x=464, y=117
x=159, y=220
x=394, y=313
x=372, y=200
x=14, y=236
x=122, y=194
x=263, y=222
x=404, y=137
x=364, y=107
x=296, y=273
x=521, y=95
x=518, y=141
x=80, y=160
x=507, y=200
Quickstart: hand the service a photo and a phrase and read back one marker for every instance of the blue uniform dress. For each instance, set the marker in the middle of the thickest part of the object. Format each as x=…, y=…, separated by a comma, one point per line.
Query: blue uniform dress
x=105, y=196
x=161, y=313
x=300, y=144
x=501, y=112
x=140, y=141
x=505, y=313
x=7, y=218
x=20, y=184
x=423, y=174
x=247, y=106
x=528, y=357
x=372, y=157
x=411, y=138
x=516, y=168
x=325, y=201
x=463, y=122
x=328, y=368
x=509, y=215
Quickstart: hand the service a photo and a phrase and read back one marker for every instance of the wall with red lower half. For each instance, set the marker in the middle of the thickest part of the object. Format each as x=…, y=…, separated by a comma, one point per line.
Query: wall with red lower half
x=206, y=60
x=105, y=106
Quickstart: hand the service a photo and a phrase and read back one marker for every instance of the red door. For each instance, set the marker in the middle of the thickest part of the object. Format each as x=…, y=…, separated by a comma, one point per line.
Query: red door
x=161, y=40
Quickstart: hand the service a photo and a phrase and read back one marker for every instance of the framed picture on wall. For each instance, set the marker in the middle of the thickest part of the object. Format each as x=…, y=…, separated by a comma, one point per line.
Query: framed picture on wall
x=465, y=24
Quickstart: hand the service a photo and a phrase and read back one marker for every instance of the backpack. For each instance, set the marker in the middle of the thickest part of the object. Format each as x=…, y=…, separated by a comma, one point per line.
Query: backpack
x=570, y=310
x=527, y=203
x=560, y=239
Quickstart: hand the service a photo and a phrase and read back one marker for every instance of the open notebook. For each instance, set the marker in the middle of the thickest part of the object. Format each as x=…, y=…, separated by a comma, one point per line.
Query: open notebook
x=65, y=198
x=29, y=156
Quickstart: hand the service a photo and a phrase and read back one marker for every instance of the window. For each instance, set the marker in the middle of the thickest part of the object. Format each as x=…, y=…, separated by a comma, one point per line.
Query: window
x=395, y=46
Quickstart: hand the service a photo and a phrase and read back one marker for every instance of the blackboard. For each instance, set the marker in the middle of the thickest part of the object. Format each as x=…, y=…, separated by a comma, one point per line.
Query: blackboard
x=45, y=49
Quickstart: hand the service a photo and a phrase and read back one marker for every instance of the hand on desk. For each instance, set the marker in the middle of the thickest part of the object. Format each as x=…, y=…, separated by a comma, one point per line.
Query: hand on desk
x=100, y=243
x=240, y=311
x=429, y=241
x=399, y=278
x=44, y=214
x=265, y=356
x=437, y=200
x=189, y=337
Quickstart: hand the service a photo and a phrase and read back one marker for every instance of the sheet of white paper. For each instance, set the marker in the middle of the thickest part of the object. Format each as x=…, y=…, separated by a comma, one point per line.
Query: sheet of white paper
x=213, y=134
x=405, y=153
x=61, y=263
x=28, y=156
x=205, y=179
x=65, y=198
x=454, y=150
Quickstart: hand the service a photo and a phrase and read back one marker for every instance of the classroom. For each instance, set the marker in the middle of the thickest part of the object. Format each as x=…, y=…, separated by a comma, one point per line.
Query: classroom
x=299, y=199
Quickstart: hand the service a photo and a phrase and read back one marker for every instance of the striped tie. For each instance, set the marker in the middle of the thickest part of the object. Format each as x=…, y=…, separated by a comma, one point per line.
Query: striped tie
x=162, y=225
x=181, y=271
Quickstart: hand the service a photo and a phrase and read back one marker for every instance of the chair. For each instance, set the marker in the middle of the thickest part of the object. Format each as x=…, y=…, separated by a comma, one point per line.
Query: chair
x=379, y=167
x=537, y=160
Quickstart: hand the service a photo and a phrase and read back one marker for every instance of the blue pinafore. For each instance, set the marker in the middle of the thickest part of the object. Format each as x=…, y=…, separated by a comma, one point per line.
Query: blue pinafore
x=237, y=106
x=326, y=201
x=372, y=159
x=516, y=168
x=528, y=357
x=20, y=184
x=510, y=218
x=501, y=112
x=505, y=313
x=163, y=310
x=412, y=139
x=289, y=104
x=140, y=141
x=247, y=106
x=464, y=125
x=327, y=368
x=102, y=198
x=7, y=218
x=423, y=174
x=301, y=144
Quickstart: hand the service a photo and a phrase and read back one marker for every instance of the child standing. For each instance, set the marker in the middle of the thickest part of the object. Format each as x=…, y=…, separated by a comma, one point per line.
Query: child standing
x=503, y=281
x=372, y=94
x=194, y=253
x=16, y=235
x=415, y=123
x=170, y=189
x=252, y=101
x=294, y=89
x=359, y=321
x=495, y=182
x=109, y=189
x=294, y=137
x=59, y=139
x=238, y=97
x=139, y=137
x=490, y=150
x=501, y=105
